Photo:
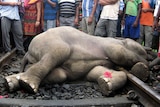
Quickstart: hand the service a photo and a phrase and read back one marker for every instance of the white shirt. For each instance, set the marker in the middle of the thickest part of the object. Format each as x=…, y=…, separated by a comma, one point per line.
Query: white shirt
x=110, y=11
x=10, y=12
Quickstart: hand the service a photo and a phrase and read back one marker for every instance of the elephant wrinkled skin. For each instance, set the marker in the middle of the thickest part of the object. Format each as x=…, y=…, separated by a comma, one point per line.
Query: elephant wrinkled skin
x=65, y=53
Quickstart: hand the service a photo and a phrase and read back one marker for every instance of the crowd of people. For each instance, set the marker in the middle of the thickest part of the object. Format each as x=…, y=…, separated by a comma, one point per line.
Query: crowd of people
x=22, y=20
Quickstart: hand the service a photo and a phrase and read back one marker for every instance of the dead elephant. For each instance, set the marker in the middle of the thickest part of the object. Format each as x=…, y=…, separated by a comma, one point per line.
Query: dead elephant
x=65, y=53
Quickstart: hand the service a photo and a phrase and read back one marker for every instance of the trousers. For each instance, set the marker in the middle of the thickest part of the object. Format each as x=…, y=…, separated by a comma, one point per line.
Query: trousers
x=14, y=26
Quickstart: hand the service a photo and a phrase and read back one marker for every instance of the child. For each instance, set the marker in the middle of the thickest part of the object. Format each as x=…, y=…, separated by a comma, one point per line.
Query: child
x=131, y=18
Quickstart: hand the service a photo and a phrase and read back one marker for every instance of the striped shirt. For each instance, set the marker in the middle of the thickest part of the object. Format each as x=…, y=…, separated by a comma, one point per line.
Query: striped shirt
x=67, y=8
x=87, y=6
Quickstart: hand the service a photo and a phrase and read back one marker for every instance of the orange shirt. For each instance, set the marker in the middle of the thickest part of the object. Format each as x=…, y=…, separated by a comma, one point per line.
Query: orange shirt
x=146, y=17
x=32, y=1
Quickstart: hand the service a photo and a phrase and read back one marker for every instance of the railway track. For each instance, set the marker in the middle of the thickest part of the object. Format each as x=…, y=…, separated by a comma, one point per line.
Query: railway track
x=138, y=93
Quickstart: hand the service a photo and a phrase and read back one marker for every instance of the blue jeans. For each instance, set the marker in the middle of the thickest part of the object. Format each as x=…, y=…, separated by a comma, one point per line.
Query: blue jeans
x=129, y=31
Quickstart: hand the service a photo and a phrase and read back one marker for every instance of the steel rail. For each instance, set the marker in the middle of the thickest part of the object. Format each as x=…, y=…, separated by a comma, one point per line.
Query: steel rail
x=147, y=96
x=95, y=102
x=6, y=57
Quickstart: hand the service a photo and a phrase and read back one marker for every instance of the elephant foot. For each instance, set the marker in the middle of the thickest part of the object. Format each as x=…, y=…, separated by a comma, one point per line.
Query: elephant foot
x=141, y=71
x=3, y=85
x=27, y=87
x=29, y=83
x=105, y=85
x=12, y=82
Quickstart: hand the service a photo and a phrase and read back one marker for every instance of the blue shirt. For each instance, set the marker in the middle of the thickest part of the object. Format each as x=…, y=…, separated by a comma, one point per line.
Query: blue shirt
x=152, y=3
x=121, y=5
x=50, y=13
x=10, y=12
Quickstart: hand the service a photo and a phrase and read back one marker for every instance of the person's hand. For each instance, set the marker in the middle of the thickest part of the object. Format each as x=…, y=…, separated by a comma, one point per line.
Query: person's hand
x=123, y=22
x=90, y=19
x=120, y=12
x=37, y=23
x=135, y=24
x=76, y=21
x=57, y=23
x=155, y=25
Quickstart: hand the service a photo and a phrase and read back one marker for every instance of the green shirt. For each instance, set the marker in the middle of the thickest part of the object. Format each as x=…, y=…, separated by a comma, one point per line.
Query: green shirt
x=132, y=7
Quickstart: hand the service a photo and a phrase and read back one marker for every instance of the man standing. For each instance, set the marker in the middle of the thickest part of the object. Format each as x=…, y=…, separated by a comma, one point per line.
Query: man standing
x=10, y=21
x=107, y=24
x=131, y=17
x=146, y=22
x=89, y=16
x=68, y=13
x=50, y=13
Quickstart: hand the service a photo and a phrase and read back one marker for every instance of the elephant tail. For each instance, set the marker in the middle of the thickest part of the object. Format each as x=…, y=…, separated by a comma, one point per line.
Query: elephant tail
x=24, y=62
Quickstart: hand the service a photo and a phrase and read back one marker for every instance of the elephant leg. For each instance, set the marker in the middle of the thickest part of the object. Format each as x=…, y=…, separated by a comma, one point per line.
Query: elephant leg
x=95, y=73
x=57, y=75
x=31, y=79
x=108, y=80
x=27, y=59
x=109, y=84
